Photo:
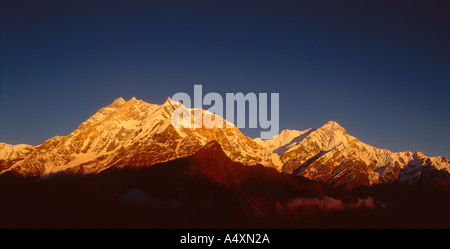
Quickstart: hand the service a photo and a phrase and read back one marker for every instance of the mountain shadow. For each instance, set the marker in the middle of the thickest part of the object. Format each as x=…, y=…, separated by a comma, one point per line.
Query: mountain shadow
x=205, y=190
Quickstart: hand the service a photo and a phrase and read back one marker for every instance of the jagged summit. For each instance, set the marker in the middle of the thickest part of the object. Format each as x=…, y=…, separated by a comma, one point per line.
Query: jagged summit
x=121, y=101
x=117, y=103
x=169, y=101
x=332, y=123
x=334, y=126
x=171, y=104
x=287, y=135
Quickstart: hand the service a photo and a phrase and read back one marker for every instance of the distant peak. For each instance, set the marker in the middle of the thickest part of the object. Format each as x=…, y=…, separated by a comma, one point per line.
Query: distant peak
x=119, y=100
x=170, y=102
x=333, y=125
x=287, y=131
x=133, y=101
x=331, y=122
x=117, y=103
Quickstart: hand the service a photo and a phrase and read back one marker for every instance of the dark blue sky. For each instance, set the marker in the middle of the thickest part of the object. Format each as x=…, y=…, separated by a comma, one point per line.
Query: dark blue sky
x=379, y=68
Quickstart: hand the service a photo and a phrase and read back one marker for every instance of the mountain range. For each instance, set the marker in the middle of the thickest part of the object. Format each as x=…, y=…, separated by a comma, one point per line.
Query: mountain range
x=137, y=134
x=128, y=167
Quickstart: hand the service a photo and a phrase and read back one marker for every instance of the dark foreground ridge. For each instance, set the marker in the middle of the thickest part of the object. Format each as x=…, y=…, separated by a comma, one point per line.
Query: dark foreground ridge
x=209, y=190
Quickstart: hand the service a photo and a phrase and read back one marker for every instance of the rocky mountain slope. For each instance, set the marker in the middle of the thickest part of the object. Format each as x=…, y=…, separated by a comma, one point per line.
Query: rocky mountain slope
x=136, y=133
x=329, y=154
x=131, y=133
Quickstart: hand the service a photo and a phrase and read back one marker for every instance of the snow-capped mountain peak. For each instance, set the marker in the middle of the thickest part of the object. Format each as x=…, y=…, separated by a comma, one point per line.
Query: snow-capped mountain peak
x=117, y=103
x=131, y=133
x=136, y=133
x=331, y=155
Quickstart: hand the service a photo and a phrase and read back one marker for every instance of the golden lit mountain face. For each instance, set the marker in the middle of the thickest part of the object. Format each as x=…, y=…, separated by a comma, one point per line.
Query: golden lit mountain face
x=136, y=133
x=132, y=133
x=330, y=155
